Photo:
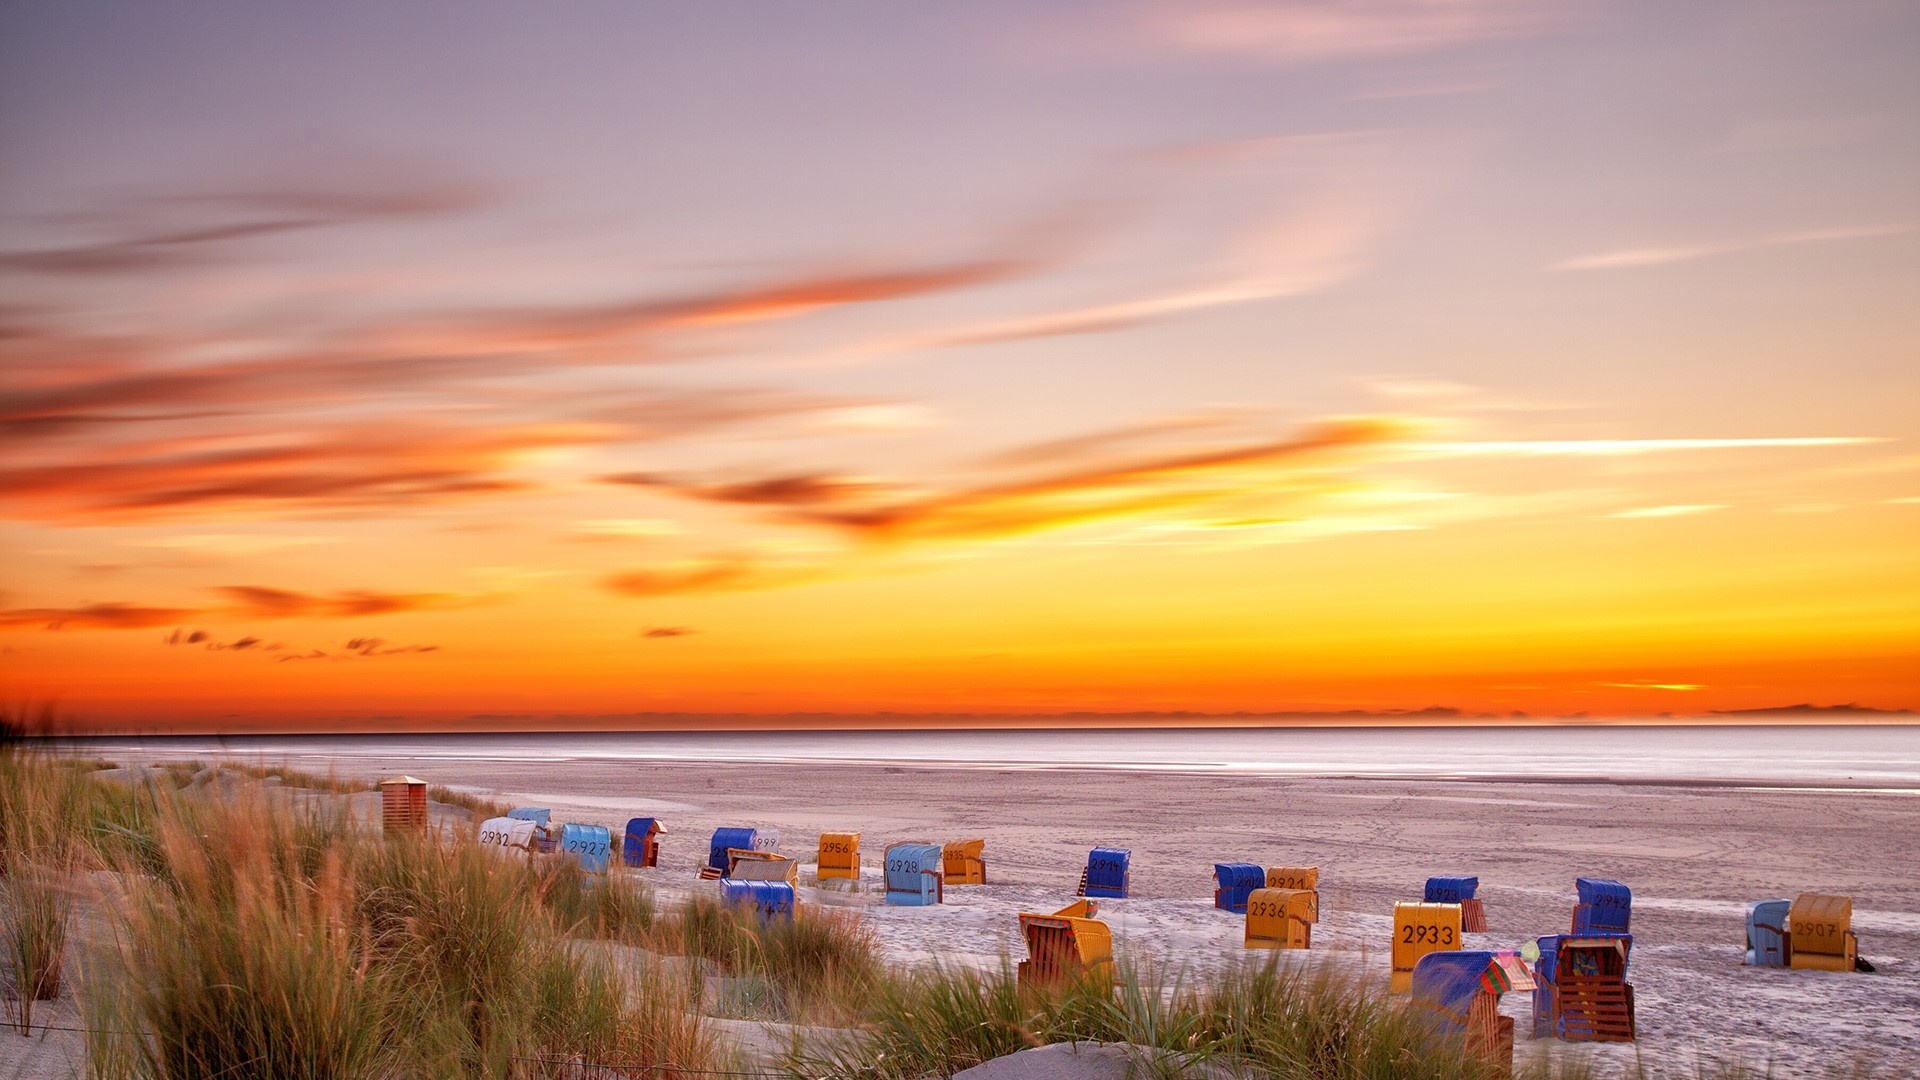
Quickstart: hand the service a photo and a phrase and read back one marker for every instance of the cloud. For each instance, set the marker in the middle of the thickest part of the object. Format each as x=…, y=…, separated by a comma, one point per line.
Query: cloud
x=1679, y=510
x=1658, y=256
x=359, y=467
x=625, y=529
x=107, y=616
x=1620, y=447
x=801, y=489
x=243, y=602
x=1316, y=243
x=186, y=235
x=714, y=573
x=1124, y=436
x=667, y=631
x=1129, y=489
x=259, y=601
x=1304, y=31
x=380, y=647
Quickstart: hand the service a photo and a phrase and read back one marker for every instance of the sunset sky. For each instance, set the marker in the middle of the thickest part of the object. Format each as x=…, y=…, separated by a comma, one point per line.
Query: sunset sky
x=411, y=362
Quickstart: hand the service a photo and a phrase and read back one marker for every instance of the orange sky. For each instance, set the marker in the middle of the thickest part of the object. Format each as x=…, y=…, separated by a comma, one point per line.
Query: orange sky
x=1232, y=358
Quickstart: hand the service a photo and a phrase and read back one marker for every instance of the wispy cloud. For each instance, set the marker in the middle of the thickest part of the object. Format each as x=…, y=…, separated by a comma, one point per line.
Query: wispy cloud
x=104, y=616
x=1301, y=31
x=242, y=602
x=1313, y=244
x=667, y=631
x=1622, y=447
x=1674, y=510
x=1129, y=489
x=717, y=573
x=1623, y=258
x=175, y=231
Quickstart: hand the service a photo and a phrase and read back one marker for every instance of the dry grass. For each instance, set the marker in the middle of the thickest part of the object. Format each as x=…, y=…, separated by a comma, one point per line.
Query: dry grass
x=261, y=940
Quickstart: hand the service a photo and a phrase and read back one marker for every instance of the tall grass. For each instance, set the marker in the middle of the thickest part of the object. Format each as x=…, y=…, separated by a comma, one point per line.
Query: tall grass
x=1259, y=1020
x=33, y=936
x=261, y=939
x=817, y=967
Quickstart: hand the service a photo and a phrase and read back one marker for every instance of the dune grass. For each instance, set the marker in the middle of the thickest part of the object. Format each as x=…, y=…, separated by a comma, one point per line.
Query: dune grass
x=254, y=938
x=36, y=903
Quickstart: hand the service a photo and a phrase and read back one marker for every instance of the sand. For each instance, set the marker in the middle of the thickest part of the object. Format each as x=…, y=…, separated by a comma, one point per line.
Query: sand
x=1693, y=856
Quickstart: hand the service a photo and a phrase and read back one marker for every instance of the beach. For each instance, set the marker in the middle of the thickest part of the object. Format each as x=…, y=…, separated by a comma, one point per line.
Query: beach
x=1694, y=852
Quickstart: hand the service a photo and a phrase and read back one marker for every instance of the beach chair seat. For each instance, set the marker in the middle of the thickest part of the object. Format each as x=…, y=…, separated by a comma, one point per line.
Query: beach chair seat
x=1581, y=993
x=1767, y=933
x=589, y=845
x=963, y=863
x=1604, y=907
x=1820, y=933
x=745, y=864
x=839, y=856
x=1459, y=890
x=725, y=839
x=1234, y=882
x=640, y=845
x=1066, y=946
x=769, y=900
x=913, y=874
x=507, y=836
x=1109, y=873
x=1281, y=918
x=1419, y=929
x=1459, y=991
x=1293, y=877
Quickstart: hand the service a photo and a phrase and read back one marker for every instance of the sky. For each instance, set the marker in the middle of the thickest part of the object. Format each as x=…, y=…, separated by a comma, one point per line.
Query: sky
x=377, y=365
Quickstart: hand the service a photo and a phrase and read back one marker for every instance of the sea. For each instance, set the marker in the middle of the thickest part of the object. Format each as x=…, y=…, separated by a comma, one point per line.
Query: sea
x=1836, y=757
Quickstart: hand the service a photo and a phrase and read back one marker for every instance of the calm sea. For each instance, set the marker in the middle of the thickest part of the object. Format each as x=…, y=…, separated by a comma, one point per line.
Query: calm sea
x=1836, y=756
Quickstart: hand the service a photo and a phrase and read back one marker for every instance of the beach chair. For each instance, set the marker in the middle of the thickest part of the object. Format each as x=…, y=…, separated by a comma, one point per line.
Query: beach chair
x=641, y=845
x=544, y=836
x=1066, y=946
x=1604, y=906
x=1109, y=873
x=724, y=840
x=839, y=856
x=403, y=804
x=1459, y=890
x=589, y=845
x=1233, y=882
x=770, y=900
x=1281, y=918
x=1820, y=933
x=1460, y=992
x=1767, y=933
x=1419, y=929
x=507, y=836
x=1293, y=877
x=913, y=875
x=1581, y=993
x=745, y=864
x=962, y=862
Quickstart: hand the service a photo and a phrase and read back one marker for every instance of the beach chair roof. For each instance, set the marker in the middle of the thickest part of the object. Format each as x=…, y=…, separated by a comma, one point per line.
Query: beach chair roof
x=1245, y=874
x=1600, y=890
x=411, y=781
x=1447, y=981
x=1450, y=890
